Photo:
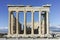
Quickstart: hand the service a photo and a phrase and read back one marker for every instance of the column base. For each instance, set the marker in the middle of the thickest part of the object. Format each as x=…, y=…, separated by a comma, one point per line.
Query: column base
x=29, y=35
x=14, y=35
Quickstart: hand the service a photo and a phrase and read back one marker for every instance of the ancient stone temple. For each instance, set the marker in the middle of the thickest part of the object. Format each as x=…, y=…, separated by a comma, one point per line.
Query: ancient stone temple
x=14, y=26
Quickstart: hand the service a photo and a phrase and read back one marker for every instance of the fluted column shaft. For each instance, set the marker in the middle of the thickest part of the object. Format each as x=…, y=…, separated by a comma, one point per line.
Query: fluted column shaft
x=9, y=21
x=47, y=22
x=32, y=20
x=12, y=23
x=17, y=23
x=40, y=23
x=24, y=23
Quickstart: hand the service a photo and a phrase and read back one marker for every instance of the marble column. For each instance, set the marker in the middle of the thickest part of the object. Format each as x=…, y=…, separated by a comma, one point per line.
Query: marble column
x=32, y=20
x=17, y=23
x=24, y=23
x=47, y=22
x=40, y=23
x=9, y=24
x=12, y=23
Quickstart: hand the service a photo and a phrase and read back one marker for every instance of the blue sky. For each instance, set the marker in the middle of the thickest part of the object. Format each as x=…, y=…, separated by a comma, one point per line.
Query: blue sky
x=54, y=15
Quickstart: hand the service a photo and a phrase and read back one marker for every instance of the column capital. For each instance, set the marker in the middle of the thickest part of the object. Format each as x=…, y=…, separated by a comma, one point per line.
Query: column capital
x=47, y=11
x=40, y=10
x=16, y=11
x=32, y=11
x=25, y=11
x=9, y=12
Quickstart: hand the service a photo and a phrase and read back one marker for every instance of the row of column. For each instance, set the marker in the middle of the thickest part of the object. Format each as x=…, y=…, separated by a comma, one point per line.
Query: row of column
x=32, y=23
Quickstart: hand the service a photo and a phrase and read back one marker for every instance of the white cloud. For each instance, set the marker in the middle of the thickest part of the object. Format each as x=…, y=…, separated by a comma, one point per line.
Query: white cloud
x=58, y=26
x=55, y=29
x=3, y=28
